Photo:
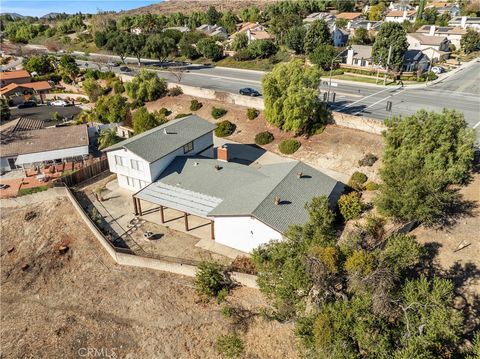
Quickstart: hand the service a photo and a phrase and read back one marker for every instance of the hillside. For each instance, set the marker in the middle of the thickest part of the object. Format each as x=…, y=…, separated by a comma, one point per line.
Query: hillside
x=188, y=6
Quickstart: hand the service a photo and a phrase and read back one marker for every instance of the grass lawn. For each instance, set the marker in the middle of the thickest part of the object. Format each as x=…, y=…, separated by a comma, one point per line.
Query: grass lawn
x=370, y=80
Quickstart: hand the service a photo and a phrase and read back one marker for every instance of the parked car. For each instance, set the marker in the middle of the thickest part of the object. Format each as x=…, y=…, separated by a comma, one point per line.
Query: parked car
x=58, y=103
x=247, y=91
x=125, y=69
x=438, y=70
x=27, y=104
x=113, y=64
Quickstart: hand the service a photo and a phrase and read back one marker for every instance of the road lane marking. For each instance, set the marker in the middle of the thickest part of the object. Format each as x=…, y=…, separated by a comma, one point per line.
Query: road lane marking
x=364, y=98
x=383, y=99
x=478, y=124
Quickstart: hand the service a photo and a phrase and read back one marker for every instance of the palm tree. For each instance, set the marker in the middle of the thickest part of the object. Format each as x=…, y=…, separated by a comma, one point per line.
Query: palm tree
x=108, y=137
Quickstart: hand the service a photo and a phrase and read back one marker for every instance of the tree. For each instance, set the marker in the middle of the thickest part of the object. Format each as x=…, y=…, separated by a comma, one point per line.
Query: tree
x=146, y=86
x=92, y=88
x=470, y=41
x=69, y=66
x=229, y=21
x=213, y=16
x=261, y=49
x=209, y=49
x=344, y=5
x=136, y=45
x=4, y=110
x=322, y=56
x=317, y=34
x=295, y=39
x=361, y=37
x=350, y=205
x=291, y=98
x=341, y=23
x=108, y=137
x=240, y=42
x=187, y=41
x=41, y=64
x=144, y=121
x=119, y=43
x=424, y=155
x=250, y=14
x=390, y=34
x=376, y=12
x=160, y=46
x=111, y=109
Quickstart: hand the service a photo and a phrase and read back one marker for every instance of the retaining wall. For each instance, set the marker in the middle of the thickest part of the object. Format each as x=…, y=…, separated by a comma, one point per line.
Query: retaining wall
x=359, y=123
x=246, y=280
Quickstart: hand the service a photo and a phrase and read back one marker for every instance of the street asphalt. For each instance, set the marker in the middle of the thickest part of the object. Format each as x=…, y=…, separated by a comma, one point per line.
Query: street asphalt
x=460, y=91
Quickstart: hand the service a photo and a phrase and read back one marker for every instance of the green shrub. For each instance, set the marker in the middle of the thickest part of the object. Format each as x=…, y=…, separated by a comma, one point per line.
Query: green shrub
x=211, y=280
x=368, y=160
x=252, y=113
x=264, y=138
x=227, y=311
x=136, y=104
x=350, y=206
x=225, y=128
x=371, y=186
x=357, y=180
x=180, y=115
x=118, y=87
x=230, y=345
x=164, y=111
x=218, y=112
x=25, y=191
x=195, y=105
x=175, y=91
x=55, y=116
x=289, y=146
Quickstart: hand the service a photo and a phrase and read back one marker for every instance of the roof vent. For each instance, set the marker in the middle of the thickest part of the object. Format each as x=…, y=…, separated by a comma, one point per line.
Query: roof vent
x=165, y=131
x=299, y=174
x=195, y=163
x=218, y=168
x=276, y=200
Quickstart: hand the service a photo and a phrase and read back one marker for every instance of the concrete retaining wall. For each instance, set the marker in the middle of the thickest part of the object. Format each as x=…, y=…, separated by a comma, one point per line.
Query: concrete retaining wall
x=359, y=123
x=246, y=280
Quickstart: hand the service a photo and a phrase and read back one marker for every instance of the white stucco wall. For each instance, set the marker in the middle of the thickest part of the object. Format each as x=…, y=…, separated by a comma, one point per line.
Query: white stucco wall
x=149, y=172
x=243, y=233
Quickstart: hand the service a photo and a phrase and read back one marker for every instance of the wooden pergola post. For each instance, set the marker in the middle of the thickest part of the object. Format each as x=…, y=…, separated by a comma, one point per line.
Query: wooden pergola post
x=139, y=207
x=162, y=217
x=212, y=230
x=135, y=209
x=185, y=216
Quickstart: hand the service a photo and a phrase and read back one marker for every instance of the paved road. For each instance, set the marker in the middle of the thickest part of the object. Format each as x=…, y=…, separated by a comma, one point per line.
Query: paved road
x=460, y=91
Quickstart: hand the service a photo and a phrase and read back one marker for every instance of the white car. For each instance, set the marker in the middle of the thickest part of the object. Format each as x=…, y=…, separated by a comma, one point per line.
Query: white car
x=58, y=103
x=437, y=70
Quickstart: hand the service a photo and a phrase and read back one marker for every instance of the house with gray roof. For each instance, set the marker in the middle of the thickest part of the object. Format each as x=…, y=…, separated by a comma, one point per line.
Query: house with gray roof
x=174, y=166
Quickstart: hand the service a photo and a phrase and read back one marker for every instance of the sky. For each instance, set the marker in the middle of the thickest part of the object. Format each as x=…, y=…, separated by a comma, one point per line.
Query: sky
x=43, y=7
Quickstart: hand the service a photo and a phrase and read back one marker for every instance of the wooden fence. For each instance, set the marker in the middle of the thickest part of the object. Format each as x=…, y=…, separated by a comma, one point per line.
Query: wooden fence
x=85, y=173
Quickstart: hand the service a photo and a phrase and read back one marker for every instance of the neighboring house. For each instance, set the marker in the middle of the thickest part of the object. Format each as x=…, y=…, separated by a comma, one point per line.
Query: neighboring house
x=254, y=31
x=339, y=36
x=466, y=22
x=359, y=56
x=401, y=16
x=17, y=76
x=213, y=30
x=373, y=26
x=246, y=205
x=435, y=47
x=445, y=8
x=453, y=34
x=139, y=160
x=25, y=144
x=413, y=60
x=18, y=93
x=326, y=16
x=400, y=7
x=349, y=16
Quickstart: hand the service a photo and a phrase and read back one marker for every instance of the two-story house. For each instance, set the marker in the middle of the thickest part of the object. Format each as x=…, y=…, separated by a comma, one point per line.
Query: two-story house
x=435, y=47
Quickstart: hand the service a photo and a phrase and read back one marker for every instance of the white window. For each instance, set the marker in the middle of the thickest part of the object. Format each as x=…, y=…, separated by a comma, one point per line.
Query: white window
x=133, y=182
x=188, y=147
x=136, y=165
x=118, y=160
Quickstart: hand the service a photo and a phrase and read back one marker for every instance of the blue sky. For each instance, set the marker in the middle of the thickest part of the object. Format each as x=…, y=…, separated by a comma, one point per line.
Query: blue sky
x=42, y=7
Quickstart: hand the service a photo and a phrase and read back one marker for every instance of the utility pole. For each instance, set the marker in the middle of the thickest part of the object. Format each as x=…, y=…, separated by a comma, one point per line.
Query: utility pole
x=386, y=67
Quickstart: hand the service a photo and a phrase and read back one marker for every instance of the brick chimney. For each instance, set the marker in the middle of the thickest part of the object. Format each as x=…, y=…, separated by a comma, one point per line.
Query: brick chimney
x=222, y=153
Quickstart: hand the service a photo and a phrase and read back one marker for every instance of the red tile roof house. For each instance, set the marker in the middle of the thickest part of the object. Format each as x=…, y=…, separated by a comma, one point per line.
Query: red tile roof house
x=18, y=77
x=16, y=93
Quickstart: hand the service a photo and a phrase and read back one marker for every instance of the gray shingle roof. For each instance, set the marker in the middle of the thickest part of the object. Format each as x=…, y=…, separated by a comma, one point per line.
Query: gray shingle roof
x=162, y=140
x=193, y=185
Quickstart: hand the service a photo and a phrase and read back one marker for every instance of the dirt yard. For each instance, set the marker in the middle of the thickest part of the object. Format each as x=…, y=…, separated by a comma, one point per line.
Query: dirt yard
x=60, y=302
x=336, y=151
x=462, y=266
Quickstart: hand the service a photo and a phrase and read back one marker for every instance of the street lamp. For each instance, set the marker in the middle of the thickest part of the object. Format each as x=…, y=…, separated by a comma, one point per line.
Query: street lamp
x=331, y=69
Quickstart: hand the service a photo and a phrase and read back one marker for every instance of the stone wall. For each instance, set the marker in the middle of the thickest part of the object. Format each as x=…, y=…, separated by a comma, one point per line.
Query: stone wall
x=359, y=123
